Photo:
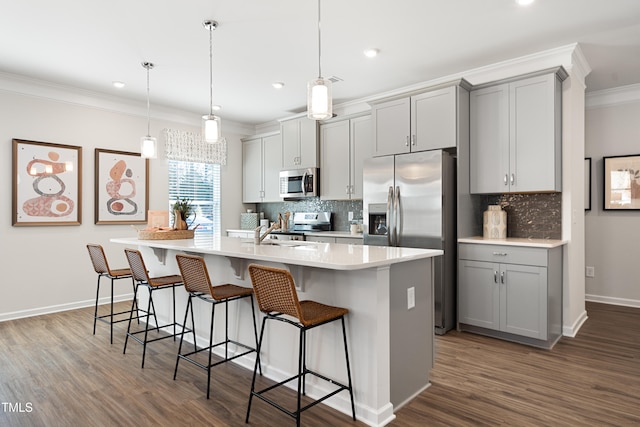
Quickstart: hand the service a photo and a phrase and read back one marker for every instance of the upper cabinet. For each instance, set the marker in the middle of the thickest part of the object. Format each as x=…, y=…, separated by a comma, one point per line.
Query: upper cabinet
x=424, y=121
x=344, y=145
x=299, y=143
x=515, y=130
x=261, y=164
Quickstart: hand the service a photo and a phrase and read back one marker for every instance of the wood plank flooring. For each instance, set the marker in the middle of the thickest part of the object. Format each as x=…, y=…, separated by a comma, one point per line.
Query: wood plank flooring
x=54, y=372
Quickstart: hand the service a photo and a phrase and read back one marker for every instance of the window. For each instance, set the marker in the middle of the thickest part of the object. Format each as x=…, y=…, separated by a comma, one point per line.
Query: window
x=199, y=182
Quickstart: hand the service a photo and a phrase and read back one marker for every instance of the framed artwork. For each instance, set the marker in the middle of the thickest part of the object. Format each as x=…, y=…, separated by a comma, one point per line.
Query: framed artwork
x=47, y=184
x=122, y=187
x=622, y=182
x=587, y=184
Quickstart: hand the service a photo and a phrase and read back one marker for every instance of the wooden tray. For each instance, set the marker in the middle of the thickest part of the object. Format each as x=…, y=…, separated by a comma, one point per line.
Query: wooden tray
x=165, y=235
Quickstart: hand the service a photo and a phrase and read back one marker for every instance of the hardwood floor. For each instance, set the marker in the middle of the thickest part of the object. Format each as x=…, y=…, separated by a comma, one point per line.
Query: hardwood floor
x=54, y=372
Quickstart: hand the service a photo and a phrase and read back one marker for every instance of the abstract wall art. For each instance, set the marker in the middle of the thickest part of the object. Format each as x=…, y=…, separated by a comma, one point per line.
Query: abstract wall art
x=622, y=182
x=122, y=187
x=47, y=184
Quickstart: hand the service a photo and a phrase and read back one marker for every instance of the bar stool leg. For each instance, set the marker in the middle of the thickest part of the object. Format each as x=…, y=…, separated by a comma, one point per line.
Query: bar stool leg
x=111, y=323
x=213, y=313
x=301, y=381
x=133, y=304
x=186, y=315
x=95, y=313
x=346, y=356
x=146, y=328
x=255, y=330
x=135, y=301
x=255, y=368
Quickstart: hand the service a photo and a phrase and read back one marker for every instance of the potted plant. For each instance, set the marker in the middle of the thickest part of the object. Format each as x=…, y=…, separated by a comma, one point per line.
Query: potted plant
x=181, y=210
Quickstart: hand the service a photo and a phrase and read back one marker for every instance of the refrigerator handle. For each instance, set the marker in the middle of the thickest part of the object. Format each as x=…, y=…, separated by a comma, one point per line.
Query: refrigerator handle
x=389, y=223
x=397, y=208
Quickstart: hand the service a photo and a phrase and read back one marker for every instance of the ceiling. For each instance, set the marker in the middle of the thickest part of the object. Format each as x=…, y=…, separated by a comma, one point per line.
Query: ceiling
x=88, y=44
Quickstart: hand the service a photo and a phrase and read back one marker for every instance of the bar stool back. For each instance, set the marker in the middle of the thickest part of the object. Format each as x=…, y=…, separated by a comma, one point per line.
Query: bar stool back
x=101, y=267
x=198, y=283
x=275, y=292
x=141, y=275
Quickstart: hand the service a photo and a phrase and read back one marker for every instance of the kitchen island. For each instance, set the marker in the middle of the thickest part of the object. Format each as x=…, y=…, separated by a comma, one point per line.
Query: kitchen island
x=388, y=291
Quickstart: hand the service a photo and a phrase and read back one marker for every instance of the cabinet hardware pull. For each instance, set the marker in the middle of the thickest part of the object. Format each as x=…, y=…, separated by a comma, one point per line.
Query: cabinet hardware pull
x=500, y=253
x=502, y=277
x=406, y=144
x=413, y=140
x=495, y=276
x=506, y=179
x=513, y=178
x=346, y=189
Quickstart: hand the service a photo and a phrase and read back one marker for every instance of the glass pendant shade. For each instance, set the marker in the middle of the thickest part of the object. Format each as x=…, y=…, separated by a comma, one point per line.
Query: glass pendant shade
x=319, y=103
x=148, y=147
x=211, y=128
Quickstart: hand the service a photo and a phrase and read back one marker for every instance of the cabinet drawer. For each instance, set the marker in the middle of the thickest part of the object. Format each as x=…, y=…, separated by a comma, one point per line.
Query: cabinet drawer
x=503, y=254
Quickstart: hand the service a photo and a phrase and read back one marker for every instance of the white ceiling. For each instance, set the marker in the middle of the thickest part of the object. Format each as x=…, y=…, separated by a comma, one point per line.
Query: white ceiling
x=89, y=43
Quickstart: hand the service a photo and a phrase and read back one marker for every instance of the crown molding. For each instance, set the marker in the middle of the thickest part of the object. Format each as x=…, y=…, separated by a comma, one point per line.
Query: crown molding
x=41, y=89
x=612, y=97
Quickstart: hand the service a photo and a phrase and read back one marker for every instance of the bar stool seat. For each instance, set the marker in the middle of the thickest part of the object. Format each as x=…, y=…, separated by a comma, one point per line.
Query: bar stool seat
x=153, y=284
x=198, y=283
x=101, y=267
x=275, y=292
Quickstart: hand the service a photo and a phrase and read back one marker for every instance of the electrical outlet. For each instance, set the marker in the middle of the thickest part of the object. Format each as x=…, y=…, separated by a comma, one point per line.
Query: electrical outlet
x=591, y=272
x=350, y=216
x=411, y=298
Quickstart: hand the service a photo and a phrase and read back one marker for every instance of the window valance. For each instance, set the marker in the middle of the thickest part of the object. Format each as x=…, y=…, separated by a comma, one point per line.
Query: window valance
x=189, y=147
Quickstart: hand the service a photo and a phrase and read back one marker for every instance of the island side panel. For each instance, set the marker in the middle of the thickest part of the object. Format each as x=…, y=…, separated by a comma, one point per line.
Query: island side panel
x=411, y=329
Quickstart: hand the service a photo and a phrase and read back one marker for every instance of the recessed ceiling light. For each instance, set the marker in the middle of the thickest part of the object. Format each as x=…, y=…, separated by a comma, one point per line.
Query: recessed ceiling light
x=118, y=84
x=277, y=85
x=371, y=53
x=524, y=2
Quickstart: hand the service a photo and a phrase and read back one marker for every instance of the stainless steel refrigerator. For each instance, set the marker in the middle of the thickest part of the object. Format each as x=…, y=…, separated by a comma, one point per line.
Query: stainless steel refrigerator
x=410, y=201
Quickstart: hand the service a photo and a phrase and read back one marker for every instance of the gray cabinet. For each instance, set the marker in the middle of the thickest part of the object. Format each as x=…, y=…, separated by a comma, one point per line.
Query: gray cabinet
x=343, y=147
x=424, y=121
x=516, y=135
x=334, y=239
x=511, y=292
x=299, y=143
x=261, y=164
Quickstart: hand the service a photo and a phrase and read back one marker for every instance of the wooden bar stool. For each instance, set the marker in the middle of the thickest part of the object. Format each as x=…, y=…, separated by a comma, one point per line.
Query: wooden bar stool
x=275, y=291
x=198, y=283
x=141, y=275
x=101, y=266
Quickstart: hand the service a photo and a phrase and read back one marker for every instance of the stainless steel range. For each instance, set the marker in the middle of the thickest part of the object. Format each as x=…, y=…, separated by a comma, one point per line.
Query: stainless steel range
x=304, y=222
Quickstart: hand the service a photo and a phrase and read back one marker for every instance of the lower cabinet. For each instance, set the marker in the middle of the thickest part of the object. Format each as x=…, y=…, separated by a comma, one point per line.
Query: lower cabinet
x=509, y=292
x=333, y=239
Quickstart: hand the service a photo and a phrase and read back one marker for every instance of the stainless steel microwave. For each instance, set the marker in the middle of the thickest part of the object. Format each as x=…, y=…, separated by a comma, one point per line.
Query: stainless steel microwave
x=299, y=183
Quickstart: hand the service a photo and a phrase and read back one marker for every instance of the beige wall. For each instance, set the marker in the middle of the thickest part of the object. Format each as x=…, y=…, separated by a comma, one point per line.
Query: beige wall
x=47, y=268
x=612, y=237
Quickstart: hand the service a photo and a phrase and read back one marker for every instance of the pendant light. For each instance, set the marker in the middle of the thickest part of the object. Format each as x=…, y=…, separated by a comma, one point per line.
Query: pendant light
x=210, y=122
x=148, y=144
x=319, y=104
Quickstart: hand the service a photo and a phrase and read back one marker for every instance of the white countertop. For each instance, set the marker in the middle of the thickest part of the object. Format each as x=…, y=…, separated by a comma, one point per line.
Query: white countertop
x=333, y=256
x=313, y=233
x=515, y=241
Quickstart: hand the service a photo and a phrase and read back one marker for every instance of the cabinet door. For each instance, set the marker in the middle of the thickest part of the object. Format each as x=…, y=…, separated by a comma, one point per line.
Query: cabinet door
x=523, y=300
x=252, y=170
x=334, y=148
x=272, y=163
x=391, y=124
x=535, y=152
x=478, y=294
x=308, y=143
x=361, y=149
x=320, y=239
x=433, y=120
x=489, y=140
x=290, y=131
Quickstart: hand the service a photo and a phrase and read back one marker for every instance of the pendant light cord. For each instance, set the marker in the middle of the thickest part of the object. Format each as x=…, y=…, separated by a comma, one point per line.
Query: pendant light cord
x=211, y=69
x=319, y=44
x=148, y=66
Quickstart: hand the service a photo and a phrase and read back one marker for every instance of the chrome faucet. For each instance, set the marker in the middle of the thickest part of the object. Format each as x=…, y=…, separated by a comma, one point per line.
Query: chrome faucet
x=258, y=238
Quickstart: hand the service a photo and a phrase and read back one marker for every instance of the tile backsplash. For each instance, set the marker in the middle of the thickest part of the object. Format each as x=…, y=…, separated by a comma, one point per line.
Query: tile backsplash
x=537, y=216
x=339, y=208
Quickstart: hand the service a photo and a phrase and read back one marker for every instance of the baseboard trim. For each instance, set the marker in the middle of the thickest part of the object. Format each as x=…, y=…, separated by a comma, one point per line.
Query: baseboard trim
x=61, y=307
x=613, y=301
x=572, y=330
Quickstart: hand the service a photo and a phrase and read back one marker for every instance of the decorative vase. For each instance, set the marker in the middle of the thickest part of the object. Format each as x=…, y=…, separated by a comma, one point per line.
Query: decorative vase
x=494, y=223
x=178, y=222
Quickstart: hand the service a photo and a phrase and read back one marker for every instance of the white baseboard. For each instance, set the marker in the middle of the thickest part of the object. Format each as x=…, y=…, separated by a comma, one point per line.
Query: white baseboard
x=61, y=307
x=613, y=301
x=572, y=330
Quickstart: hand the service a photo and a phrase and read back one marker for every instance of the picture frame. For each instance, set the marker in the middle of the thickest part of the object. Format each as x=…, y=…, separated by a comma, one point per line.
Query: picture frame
x=121, y=187
x=587, y=184
x=46, y=184
x=622, y=182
